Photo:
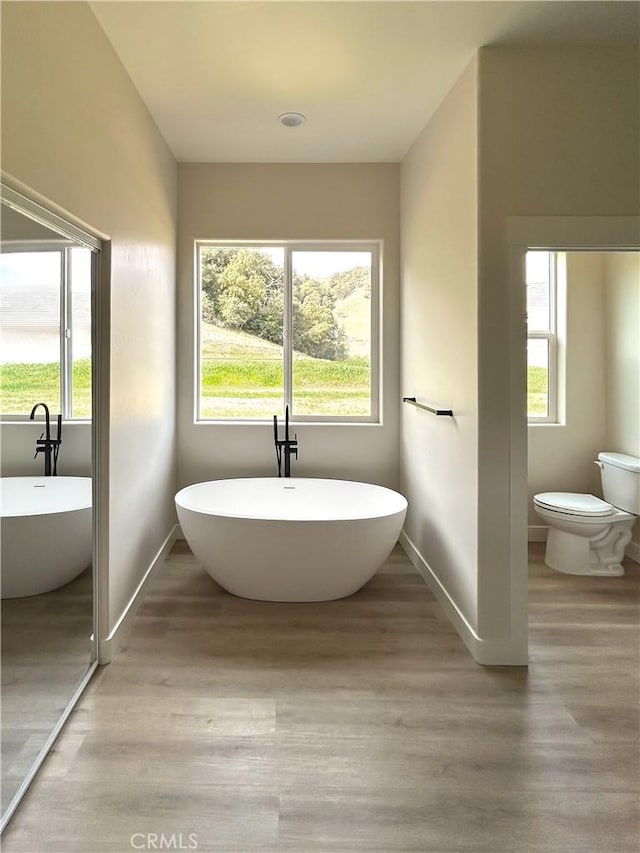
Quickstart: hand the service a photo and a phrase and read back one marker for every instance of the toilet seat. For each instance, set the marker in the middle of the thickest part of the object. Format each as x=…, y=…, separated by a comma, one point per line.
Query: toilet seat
x=571, y=503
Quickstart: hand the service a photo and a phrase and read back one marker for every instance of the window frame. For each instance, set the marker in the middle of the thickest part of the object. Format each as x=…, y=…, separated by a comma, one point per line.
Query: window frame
x=64, y=248
x=374, y=247
x=551, y=336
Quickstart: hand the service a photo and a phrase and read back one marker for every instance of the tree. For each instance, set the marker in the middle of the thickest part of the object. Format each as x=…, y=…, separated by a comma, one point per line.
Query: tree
x=315, y=328
x=243, y=289
x=345, y=283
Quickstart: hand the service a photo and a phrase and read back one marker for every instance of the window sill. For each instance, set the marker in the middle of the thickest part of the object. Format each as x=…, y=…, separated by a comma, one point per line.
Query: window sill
x=292, y=423
x=16, y=420
x=545, y=424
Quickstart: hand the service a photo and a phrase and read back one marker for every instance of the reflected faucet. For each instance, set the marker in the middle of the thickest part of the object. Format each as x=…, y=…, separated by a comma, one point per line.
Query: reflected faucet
x=288, y=446
x=46, y=445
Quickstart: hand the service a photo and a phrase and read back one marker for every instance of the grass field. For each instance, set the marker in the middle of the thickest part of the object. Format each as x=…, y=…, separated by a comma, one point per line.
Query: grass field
x=537, y=391
x=23, y=385
x=244, y=388
x=242, y=377
x=243, y=381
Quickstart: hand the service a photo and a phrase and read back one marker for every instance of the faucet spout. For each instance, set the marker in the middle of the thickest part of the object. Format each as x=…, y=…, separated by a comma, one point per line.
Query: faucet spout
x=46, y=416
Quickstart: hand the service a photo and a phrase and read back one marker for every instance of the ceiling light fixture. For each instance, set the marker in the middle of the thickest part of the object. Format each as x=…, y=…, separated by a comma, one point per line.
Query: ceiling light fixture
x=292, y=119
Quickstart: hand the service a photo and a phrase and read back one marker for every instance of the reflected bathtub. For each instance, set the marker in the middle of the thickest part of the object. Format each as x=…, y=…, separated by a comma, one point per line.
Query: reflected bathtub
x=297, y=539
x=45, y=534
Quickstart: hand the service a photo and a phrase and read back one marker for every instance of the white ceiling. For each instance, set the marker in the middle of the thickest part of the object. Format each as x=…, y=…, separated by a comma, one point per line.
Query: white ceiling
x=368, y=75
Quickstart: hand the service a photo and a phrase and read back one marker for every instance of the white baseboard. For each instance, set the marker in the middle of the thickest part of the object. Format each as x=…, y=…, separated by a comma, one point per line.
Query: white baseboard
x=489, y=652
x=108, y=646
x=537, y=532
x=633, y=551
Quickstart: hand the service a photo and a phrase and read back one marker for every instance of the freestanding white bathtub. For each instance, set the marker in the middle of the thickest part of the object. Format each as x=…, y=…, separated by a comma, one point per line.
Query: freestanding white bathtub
x=290, y=539
x=46, y=533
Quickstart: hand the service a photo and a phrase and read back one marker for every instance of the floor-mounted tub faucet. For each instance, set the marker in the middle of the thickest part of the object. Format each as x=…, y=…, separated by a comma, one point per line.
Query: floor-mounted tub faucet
x=50, y=447
x=287, y=446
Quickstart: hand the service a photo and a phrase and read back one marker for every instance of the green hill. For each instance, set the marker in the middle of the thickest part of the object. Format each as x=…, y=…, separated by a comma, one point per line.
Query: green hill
x=218, y=342
x=354, y=317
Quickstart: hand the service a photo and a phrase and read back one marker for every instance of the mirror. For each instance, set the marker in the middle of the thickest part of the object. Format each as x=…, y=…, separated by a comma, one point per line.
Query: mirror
x=46, y=498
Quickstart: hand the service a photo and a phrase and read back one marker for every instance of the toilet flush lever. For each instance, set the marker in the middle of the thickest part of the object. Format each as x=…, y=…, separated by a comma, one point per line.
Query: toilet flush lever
x=598, y=463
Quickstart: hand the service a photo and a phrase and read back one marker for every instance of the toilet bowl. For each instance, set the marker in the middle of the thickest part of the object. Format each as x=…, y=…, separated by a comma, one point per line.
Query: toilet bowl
x=588, y=535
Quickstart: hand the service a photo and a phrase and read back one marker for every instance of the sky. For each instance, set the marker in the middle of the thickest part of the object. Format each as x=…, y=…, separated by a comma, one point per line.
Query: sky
x=319, y=264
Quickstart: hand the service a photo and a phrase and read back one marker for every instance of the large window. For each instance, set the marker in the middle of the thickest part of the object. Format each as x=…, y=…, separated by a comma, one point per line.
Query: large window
x=45, y=330
x=542, y=338
x=287, y=324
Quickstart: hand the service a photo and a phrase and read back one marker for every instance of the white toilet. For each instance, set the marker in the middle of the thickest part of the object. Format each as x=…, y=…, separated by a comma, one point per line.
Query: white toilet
x=587, y=535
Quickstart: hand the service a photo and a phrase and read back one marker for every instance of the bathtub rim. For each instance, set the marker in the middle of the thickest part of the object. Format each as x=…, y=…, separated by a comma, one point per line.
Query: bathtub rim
x=401, y=503
x=86, y=503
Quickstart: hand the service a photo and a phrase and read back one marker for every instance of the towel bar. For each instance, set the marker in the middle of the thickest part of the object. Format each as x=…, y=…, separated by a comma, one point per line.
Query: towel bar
x=414, y=402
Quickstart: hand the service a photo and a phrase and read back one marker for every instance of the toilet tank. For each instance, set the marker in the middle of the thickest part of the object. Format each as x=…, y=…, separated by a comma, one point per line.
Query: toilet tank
x=621, y=480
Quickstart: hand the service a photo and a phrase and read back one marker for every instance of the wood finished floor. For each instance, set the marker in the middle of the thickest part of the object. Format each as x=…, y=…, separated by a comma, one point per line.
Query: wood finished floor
x=45, y=654
x=356, y=725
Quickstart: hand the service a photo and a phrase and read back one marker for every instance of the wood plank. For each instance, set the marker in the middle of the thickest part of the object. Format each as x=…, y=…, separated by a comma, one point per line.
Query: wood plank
x=351, y=727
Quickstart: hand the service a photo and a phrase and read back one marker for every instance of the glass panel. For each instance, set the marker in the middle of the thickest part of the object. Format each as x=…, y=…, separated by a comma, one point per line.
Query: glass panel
x=80, y=291
x=331, y=333
x=30, y=330
x=47, y=633
x=537, y=378
x=538, y=291
x=241, y=352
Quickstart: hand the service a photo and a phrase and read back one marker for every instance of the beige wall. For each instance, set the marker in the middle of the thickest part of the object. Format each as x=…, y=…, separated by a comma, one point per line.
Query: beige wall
x=18, y=442
x=439, y=343
x=75, y=131
x=561, y=455
x=622, y=325
x=278, y=202
x=558, y=137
